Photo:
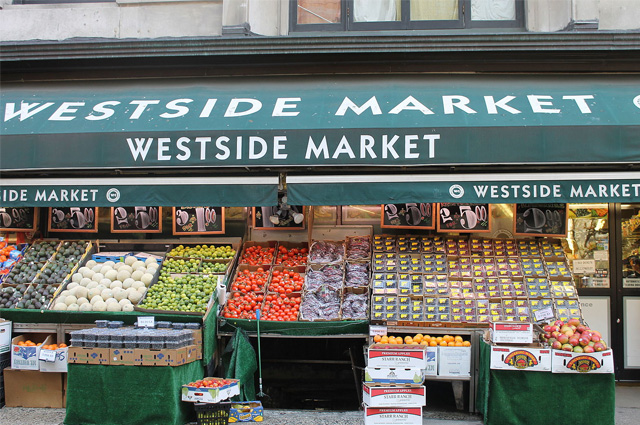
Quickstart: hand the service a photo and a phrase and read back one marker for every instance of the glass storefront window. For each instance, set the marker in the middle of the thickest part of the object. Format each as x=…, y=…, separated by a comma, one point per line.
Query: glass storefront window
x=587, y=245
x=319, y=11
x=325, y=215
x=630, y=226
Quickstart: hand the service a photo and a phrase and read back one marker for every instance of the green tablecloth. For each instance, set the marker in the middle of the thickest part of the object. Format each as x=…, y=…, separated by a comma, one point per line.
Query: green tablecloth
x=129, y=318
x=507, y=397
x=132, y=395
x=298, y=328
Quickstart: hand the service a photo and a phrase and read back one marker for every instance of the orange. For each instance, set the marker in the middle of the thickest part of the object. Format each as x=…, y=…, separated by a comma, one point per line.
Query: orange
x=384, y=339
x=433, y=343
x=443, y=343
x=451, y=344
x=377, y=338
x=424, y=342
x=458, y=338
x=458, y=344
x=466, y=344
x=439, y=339
x=392, y=340
x=62, y=346
x=418, y=338
x=408, y=339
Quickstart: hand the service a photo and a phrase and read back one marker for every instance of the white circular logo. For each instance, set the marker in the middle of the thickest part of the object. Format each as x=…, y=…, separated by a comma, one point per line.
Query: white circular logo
x=113, y=195
x=636, y=101
x=456, y=191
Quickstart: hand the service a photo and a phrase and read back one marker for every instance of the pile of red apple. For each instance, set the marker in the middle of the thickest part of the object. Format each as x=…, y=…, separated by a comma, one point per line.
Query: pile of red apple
x=211, y=383
x=573, y=336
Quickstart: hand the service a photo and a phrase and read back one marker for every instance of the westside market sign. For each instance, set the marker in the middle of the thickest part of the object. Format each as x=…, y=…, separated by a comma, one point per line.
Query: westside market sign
x=310, y=121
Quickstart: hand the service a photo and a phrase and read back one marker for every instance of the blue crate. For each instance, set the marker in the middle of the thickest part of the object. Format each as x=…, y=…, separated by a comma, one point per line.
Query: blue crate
x=100, y=258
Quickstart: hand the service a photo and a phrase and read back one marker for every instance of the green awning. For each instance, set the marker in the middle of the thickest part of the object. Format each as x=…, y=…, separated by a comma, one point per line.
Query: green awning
x=321, y=121
x=472, y=188
x=157, y=191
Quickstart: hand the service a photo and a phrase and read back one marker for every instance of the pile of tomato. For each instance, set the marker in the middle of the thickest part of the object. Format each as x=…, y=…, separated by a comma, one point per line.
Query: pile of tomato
x=243, y=305
x=286, y=282
x=281, y=307
x=250, y=281
x=291, y=257
x=257, y=255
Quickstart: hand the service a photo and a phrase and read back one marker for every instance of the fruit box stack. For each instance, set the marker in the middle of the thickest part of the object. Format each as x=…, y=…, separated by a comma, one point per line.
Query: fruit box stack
x=393, y=390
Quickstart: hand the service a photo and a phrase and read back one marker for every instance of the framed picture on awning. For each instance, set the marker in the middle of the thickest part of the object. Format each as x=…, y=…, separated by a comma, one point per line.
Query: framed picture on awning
x=18, y=219
x=198, y=220
x=136, y=219
x=73, y=219
x=540, y=219
x=464, y=218
x=408, y=216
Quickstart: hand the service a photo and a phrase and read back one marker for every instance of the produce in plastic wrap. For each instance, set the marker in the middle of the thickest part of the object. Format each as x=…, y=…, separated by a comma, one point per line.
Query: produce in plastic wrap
x=329, y=275
x=354, y=306
x=321, y=304
x=326, y=252
x=358, y=248
x=357, y=274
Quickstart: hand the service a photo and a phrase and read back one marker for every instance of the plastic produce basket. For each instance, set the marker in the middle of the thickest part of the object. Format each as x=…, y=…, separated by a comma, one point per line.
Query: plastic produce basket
x=212, y=413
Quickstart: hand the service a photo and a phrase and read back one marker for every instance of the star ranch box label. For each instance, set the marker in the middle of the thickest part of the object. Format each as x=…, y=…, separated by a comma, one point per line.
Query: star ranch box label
x=566, y=362
x=394, y=395
x=527, y=359
x=392, y=416
x=382, y=355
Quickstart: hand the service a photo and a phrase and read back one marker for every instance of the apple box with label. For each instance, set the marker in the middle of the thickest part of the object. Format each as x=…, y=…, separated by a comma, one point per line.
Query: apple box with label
x=454, y=361
x=27, y=357
x=5, y=336
x=382, y=395
x=511, y=333
x=392, y=415
x=392, y=375
x=568, y=362
x=521, y=358
x=382, y=355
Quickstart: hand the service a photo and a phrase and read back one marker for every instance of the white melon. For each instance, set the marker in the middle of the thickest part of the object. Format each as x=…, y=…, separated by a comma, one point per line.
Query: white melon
x=60, y=306
x=127, y=307
x=109, y=263
x=91, y=263
x=72, y=285
x=135, y=297
x=73, y=307
x=149, y=261
x=97, y=277
x=137, y=284
x=146, y=279
x=127, y=283
x=138, y=265
x=86, y=307
x=137, y=274
x=106, y=293
x=77, y=277
x=123, y=274
x=111, y=274
x=93, y=292
x=88, y=273
x=80, y=292
x=105, y=269
x=130, y=260
x=124, y=301
x=110, y=301
x=92, y=285
x=82, y=300
x=115, y=284
x=100, y=306
x=114, y=306
x=97, y=268
x=95, y=299
x=85, y=281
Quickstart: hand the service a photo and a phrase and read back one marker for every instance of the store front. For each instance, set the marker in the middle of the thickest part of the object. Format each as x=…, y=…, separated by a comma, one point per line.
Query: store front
x=366, y=140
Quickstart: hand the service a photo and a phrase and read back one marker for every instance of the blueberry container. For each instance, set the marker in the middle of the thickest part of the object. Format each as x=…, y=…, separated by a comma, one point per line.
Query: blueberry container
x=157, y=345
x=115, y=324
x=102, y=323
x=163, y=325
x=192, y=325
x=178, y=326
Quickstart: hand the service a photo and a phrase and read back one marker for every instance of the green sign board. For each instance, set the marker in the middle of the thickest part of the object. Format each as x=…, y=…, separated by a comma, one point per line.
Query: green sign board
x=321, y=121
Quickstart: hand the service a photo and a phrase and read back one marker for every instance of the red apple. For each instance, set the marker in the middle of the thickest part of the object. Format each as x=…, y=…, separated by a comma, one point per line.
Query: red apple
x=589, y=349
x=555, y=334
x=573, y=322
x=596, y=333
x=558, y=323
x=556, y=345
x=595, y=337
x=581, y=328
x=567, y=347
x=547, y=328
x=574, y=341
x=583, y=341
x=563, y=338
x=599, y=346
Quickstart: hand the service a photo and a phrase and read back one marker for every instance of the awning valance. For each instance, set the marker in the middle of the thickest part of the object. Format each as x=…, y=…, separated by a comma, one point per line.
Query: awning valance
x=156, y=191
x=471, y=188
x=321, y=121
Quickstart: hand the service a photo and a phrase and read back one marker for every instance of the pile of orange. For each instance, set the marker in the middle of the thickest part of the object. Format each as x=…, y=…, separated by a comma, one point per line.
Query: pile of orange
x=28, y=343
x=419, y=339
x=5, y=250
x=53, y=346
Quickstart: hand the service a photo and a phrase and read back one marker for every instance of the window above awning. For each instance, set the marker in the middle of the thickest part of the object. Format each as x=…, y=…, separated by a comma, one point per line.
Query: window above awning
x=472, y=188
x=150, y=191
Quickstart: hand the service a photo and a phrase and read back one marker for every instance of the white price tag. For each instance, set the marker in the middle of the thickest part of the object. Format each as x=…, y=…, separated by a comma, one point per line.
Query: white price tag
x=146, y=321
x=48, y=355
x=543, y=314
x=601, y=255
x=584, y=266
x=631, y=282
x=377, y=330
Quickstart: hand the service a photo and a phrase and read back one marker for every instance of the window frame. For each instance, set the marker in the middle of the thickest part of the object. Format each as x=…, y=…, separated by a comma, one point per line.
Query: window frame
x=348, y=25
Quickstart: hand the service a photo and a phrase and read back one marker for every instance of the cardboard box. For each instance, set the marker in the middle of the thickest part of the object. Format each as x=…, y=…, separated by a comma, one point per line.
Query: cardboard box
x=377, y=395
x=535, y=358
x=27, y=358
x=32, y=388
x=394, y=375
x=432, y=362
x=566, y=362
x=511, y=333
x=59, y=364
x=454, y=361
x=401, y=356
x=392, y=415
x=89, y=355
x=210, y=395
x=5, y=336
x=246, y=411
x=121, y=357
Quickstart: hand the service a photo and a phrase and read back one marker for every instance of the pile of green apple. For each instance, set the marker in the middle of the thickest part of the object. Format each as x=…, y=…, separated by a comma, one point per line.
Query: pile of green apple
x=178, y=265
x=189, y=293
x=573, y=336
x=208, y=252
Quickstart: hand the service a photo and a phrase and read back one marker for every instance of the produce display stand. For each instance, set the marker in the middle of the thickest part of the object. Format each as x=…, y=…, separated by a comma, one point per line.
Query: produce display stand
x=540, y=398
x=457, y=382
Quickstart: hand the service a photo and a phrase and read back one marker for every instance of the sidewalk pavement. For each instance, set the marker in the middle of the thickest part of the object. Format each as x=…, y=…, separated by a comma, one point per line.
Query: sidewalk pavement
x=627, y=411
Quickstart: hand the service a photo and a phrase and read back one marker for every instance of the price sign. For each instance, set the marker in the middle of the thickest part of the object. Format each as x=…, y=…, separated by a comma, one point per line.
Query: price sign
x=146, y=321
x=540, y=219
x=73, y=219
x=198, y=220
x=136, y=219
x=584, y=266
x=464, y=218
x=543, y=314
x=18, y=219
x=601, y=255
x=408, y=216
x=377, y=330
x=48, y=355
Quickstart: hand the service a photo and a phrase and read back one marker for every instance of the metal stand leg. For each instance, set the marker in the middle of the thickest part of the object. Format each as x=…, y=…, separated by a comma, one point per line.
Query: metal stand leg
x=355, y=376
x=458, y=394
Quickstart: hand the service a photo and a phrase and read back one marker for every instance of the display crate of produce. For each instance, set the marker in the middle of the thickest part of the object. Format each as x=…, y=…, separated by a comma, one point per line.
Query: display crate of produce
x=210, y=390
x=357, y=274
x=292, y=254
x=222, y=266
x=210, y=251
x=189, y=294
x=387, y=395
x=251, y=278
x=327, y=252
x=181, y=265
x=258, y=253
x=321, y=305
x=568, y=362
x=212, y=414
x=355, y=304
x=281, y=307
x=286, y=279
x=318, y=275
x=114, y=256
x=531, y=357
x=246, y=411
x=25, y=351
x=358, y=247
